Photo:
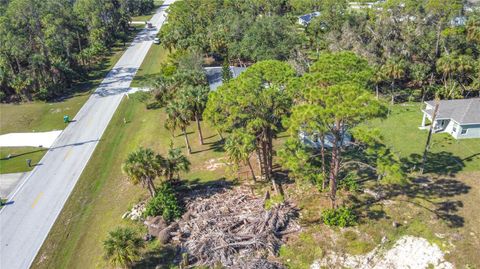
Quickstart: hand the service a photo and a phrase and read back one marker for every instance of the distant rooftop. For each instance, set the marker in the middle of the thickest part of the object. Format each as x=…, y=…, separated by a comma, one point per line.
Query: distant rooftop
x=214, y=75
x=463, y=111
x=307, y=18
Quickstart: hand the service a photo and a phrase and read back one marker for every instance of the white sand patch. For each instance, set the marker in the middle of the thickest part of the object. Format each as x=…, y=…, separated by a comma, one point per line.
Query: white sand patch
x=42, y=139
x=408, y=252
x=133, y=90
x=214, y=164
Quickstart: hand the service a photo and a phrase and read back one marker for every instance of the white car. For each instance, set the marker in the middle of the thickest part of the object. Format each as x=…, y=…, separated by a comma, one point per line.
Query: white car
x=156, y=40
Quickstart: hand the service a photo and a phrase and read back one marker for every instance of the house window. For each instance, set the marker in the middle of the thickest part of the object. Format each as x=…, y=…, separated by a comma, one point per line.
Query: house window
x=464, y=131
x=455, y=127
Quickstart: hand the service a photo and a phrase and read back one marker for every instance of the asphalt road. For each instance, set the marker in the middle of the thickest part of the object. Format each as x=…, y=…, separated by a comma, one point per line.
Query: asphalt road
x=38, y=199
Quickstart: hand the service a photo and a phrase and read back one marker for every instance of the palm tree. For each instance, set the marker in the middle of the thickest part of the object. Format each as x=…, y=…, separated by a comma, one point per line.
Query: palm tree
x=196, y=99
x=143, y=166
x=174, y=163
x=239, y=147
x=473, y=29
x=178, y=117
x=122, y=247
x=394, y=70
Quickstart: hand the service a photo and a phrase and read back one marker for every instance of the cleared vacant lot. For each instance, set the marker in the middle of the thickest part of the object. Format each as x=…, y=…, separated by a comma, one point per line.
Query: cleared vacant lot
x=440, y=207
x=103, y=192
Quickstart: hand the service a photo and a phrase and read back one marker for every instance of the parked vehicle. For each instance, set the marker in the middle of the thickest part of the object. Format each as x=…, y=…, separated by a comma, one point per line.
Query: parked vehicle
x=149, y=25
x=156, y=40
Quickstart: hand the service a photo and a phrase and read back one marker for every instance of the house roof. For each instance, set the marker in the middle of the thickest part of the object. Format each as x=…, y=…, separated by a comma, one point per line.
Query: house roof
x=463, y=111
x=308, y=17
x=214, y=75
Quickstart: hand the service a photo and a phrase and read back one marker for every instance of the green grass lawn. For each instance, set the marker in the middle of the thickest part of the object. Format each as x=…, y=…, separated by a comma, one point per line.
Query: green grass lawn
x=103, y=193
x=148, y=16
x=17, y=161
x=150, y=67
x=448, y=155
x=443, y=209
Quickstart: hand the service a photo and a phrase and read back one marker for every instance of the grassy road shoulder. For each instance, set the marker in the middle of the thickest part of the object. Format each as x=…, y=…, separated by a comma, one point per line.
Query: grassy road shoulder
x=103, y=193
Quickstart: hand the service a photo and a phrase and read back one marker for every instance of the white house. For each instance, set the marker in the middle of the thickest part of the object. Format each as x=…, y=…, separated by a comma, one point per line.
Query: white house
x=460, y=118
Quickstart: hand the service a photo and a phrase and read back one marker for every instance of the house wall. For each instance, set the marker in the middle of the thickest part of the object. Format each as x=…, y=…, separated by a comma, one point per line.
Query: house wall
x=472, y=132
x=449, y=128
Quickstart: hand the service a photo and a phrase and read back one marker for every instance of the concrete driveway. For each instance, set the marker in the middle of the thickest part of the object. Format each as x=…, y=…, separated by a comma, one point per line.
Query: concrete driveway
x=39, y=198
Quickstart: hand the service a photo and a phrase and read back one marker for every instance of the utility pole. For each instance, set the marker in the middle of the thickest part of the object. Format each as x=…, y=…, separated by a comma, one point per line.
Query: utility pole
x=429, y=138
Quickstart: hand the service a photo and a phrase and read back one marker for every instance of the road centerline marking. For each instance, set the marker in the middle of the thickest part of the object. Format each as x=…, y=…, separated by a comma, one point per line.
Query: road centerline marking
x=37, y=199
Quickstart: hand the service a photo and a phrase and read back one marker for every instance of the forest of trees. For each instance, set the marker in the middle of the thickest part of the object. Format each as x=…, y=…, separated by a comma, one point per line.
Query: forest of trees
x=325, y=78
x=46, y=45
x=417, y=49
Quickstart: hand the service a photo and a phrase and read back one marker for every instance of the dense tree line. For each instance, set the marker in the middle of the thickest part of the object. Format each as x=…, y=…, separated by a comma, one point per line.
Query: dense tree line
x=46, y=45
x=418, y=48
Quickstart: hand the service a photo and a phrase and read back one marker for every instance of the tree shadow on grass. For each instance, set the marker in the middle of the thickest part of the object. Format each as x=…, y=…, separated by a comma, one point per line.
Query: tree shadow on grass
x=434, y=195
x=161, y=257
x=196, y=188
x=441, y=163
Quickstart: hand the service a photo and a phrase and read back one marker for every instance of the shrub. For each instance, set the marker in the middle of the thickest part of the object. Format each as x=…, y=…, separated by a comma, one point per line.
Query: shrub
x=274, y=200
x=122, y=247
x=154, y=105
x=164, y=204
x=342, y=217
x=350, y=182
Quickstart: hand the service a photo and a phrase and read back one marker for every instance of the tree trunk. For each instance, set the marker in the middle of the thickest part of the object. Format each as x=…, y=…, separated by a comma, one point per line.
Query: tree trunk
x=199, y=128
x=376, y=91
x=220, y=134
x=251, y=170
x=334, y=164
x=151, y=187
x=393, y=93
x=187, y=143
x=259, y=159
x=322, y=152
x=427, y=145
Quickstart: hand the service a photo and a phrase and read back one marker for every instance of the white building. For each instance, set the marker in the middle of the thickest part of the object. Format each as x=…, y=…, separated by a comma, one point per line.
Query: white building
x=460, y=118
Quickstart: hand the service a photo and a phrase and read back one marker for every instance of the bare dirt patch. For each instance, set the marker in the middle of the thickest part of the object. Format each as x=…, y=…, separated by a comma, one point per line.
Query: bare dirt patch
x=407, y=252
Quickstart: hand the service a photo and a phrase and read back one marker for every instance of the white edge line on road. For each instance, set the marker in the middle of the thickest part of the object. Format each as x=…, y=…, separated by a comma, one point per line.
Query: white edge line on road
x=24, y=180
x=86, y=163
x=73, y=187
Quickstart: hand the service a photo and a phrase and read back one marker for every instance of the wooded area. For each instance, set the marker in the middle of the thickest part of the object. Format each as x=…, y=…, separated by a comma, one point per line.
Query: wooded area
x=45, y=46
x=417, y=49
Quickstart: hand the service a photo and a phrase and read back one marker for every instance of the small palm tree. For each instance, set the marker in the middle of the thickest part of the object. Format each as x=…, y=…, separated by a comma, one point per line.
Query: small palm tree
x=174, y=163
x=178, y=117
x=196, y=100
x=394, y=70
x=239, y=146
x=143, y=166
x=122, y=247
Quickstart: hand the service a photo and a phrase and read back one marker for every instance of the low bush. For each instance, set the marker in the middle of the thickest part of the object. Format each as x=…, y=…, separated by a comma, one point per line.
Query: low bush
x=164, y=204
x=274, y=200
x=342, y=217
x=350, y=182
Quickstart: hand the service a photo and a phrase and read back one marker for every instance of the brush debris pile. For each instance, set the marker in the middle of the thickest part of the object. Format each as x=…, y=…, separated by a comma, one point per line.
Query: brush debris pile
x=232, y=227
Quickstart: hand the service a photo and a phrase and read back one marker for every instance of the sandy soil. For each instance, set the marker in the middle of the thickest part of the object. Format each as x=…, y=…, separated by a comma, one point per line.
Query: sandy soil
x=407, y=252
x=43, y=139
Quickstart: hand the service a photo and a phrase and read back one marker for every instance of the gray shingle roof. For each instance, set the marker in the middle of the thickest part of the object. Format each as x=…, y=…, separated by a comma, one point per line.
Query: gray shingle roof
x=463, y=111
x=214, y=75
